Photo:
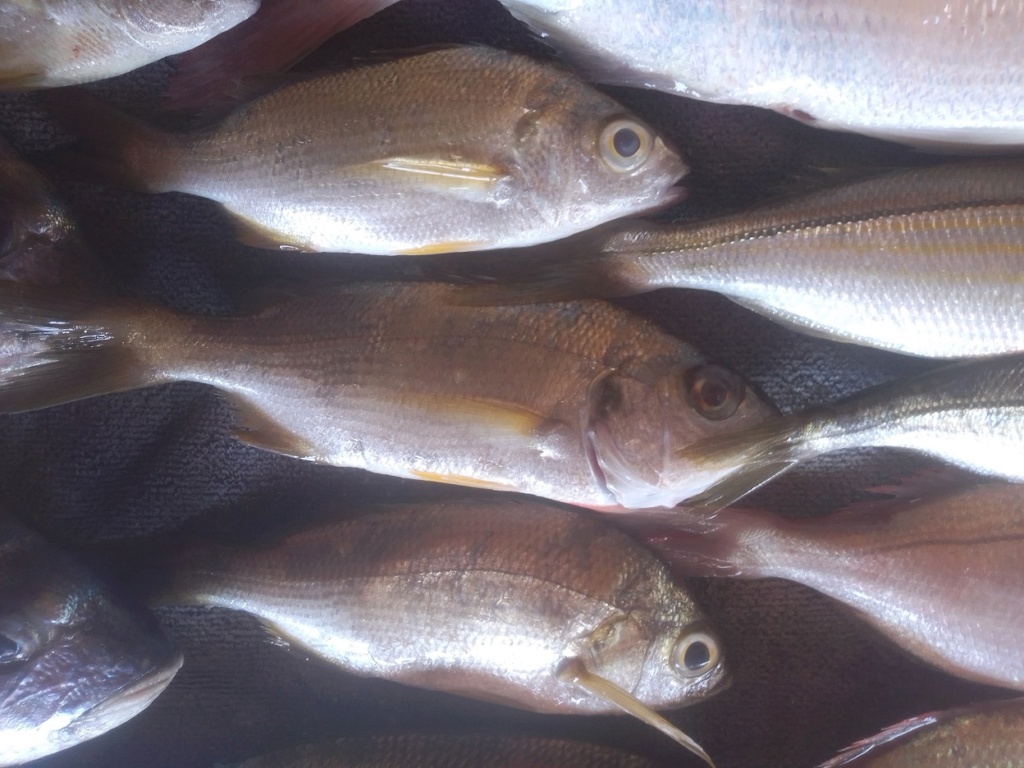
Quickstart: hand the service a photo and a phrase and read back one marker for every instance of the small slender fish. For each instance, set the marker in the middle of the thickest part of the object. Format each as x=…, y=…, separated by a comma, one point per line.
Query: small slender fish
x=579, y=402
x=940, y=576
x=968, y=414
x=280, y=34
x=829, y=63
x=48, y=43
x=980, y=736
x=926, y=262
x=444, y=751
x=75, y=661
x=518, y=603
x=453, y=149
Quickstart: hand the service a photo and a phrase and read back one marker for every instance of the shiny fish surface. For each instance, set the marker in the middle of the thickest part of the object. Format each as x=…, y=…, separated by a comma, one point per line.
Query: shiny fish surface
x=941, y=576
x=579, y=402
x=826, y=62
x=75, y=661
x=926, y=262
x=484, y=599
x=968, y=414
x=461, y=148
x=430, y=751
x=981, y=736
x=48, y=43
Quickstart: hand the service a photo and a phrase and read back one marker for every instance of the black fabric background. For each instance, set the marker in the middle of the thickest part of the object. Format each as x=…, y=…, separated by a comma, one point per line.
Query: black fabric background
x=808, y=676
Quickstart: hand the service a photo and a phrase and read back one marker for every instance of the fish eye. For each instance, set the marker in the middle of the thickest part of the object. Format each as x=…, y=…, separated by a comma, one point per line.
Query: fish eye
x=714, y=392
x=625, y=145
x=696, y=654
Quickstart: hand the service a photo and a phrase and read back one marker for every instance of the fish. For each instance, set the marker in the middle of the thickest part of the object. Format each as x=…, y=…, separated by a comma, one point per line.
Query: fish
x=444, y=751
x=282, y=33
x=983, y=735
x=828, y=63
x=76, y=660
x=968, y=414
x=579, y=402
x=938, y=573
x=451, y=149
x=926, y=262
x=519, y=603
x=49, y=44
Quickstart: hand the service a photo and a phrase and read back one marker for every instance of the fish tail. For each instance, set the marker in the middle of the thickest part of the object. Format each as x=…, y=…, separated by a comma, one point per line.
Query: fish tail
x=724, y=546
x=55, y=351
x=747, y=459
x=112, y=146
x=595, y=277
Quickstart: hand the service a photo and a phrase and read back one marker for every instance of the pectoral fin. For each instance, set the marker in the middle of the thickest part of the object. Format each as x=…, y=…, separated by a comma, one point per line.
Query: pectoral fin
x=575, y=673
x=462, y=178
x=497, y=417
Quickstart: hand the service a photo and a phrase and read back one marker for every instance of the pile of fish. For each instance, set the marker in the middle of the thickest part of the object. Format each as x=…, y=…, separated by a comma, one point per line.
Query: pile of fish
x=479, y=206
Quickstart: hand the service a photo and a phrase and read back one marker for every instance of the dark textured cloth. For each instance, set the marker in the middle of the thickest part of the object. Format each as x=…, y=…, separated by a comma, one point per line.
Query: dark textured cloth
x=808, y=677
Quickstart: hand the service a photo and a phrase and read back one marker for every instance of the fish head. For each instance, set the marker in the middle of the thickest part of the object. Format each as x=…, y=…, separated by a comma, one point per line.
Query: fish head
x=586, y=160
x=74, y=661
x=642, y=414
x=200, y=18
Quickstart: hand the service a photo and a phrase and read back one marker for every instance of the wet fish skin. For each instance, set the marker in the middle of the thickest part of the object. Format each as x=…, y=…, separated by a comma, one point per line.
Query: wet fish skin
x=979, y=736
x=484, y=599
x=45, y=44
x=924, y=262
x=940, y=575
x=455, y=751
x=969, y=414
x=452, y=149
x=825, y=62
x=578, y=402
x=75, y=661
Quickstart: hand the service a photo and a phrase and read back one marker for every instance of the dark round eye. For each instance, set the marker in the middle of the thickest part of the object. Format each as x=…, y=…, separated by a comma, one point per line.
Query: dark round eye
x=714, y=392
x=696, y=654
x=626, y=142
x=10, y=650
x=625, y=145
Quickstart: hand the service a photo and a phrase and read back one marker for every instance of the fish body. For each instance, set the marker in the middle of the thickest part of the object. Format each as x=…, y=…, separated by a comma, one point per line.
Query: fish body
x=940, y=577
x=926, y=262
x=980, y=736
x=579, y=402
x=826, y=62
x=75, y=661
x=968, y=414
x=459, y=148
x=49, y=43
x=486, y=599
x=440, y=751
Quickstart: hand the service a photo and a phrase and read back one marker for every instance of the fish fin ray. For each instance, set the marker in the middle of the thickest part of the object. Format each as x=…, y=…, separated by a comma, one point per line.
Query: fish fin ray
x=462, y=178
x=455, y=246
x=254, y=235
x=256, y=429
x=890, y=734
x=513, y=420
x=574, y=672
x=21, y=79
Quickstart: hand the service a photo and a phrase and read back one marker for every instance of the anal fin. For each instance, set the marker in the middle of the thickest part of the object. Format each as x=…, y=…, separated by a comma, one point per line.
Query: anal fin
x=255, y=428
x=250, y=233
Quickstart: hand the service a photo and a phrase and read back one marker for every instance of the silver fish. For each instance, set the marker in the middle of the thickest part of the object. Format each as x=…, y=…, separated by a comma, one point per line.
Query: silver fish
x=441, y=751
x=75, y=661
x=536, y=607
x=984, y=735
x=926, y=262
x=461, y=148
x=827, y=62
x=940, y=576
x=968, y=414
x=48, y=43
x=580, y=402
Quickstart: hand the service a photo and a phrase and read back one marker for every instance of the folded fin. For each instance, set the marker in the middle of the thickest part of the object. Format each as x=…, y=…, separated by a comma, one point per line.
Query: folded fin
x=497, y=417
x=460, y=178
x=879, y=740
x=21, y=79
x=255, y=428
x=455, y=246
x=252, y=234
x=574, y=672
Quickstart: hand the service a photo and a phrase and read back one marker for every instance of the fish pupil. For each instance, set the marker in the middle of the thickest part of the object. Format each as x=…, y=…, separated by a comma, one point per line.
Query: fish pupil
x=697, y=656
x=714, y=393
x=9, y=649
x=626, y=142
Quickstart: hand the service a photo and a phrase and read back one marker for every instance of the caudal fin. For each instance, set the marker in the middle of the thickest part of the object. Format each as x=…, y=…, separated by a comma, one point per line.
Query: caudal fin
x=54, y=351
x=112, y=146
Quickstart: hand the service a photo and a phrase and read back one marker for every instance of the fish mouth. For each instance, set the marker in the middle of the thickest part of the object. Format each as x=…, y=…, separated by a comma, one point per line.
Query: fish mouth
x=126, y=703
